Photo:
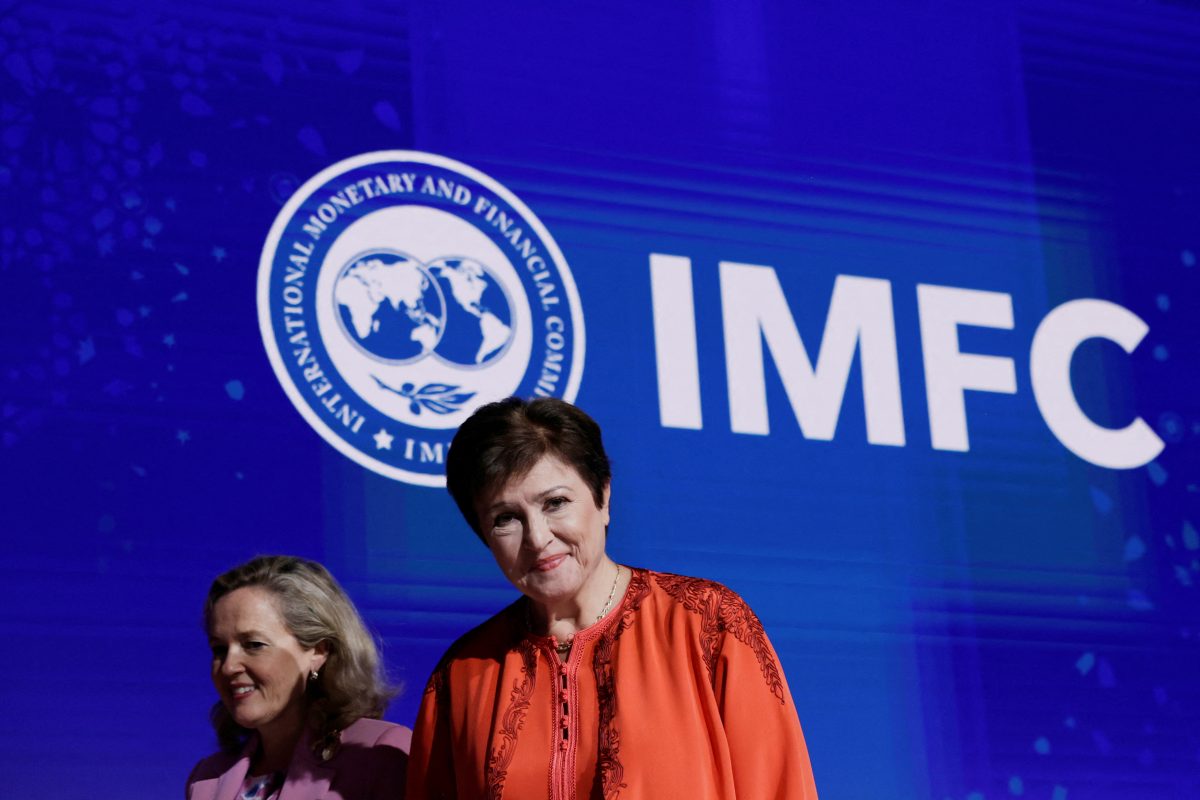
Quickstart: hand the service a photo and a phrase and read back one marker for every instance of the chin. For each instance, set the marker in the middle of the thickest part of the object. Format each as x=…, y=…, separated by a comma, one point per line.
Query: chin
x=250, y=721
x=246, y=722
x=553, y=591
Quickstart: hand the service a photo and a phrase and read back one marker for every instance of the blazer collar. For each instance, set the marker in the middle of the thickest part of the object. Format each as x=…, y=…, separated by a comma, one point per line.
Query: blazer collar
x=308, y=777
x=229, y=785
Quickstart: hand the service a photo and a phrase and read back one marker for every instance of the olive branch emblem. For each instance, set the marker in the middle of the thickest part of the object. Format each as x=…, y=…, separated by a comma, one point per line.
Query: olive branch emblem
x=440, y=398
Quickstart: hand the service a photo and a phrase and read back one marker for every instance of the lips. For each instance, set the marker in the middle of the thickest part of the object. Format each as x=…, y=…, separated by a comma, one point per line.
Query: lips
x=241, y=692
x=549, y=563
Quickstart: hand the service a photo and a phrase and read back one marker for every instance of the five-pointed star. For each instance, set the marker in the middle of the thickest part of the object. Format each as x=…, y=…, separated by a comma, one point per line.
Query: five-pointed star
x=383, y=440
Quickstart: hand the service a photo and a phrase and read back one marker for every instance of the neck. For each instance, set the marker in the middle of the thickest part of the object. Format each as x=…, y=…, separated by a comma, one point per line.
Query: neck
x=277, y=743
x=563, y=619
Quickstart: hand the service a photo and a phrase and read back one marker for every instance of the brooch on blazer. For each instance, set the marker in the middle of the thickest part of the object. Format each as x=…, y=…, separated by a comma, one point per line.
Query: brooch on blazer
x=328, y=745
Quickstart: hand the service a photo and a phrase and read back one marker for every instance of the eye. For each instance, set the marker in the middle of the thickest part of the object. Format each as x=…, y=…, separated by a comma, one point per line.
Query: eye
x=218, y=651
x=253, y=646
x=555, y=503
x=503, y=520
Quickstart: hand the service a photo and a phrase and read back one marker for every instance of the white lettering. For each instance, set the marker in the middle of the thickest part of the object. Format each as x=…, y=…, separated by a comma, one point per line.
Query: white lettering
x=675, y=342
x=314, y=227
x=1054, y=343
x=948, y=372
x=860, y=317
x=432, y=453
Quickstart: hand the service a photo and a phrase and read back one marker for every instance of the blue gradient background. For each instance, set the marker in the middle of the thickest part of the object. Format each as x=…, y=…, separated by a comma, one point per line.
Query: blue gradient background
x=1005, y=622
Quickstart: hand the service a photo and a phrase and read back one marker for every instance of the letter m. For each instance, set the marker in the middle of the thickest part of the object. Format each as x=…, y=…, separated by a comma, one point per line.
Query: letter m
x=432, y=453
x=755, y=311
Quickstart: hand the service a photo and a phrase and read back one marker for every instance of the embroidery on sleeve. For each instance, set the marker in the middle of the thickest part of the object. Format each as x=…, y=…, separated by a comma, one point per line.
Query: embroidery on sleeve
x=512, y=722
x=609, y=771
x=721, y=611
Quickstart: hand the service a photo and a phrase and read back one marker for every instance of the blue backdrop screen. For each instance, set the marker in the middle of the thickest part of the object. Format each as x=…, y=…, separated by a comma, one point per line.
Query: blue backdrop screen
x=888, y=314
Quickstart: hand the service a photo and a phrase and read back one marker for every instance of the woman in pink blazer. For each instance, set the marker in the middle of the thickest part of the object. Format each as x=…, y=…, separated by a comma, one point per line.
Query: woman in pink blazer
x=301, y=691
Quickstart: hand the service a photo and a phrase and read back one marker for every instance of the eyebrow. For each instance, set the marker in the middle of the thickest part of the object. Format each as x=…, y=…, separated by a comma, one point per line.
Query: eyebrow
x=540, y=496
x=253, y=634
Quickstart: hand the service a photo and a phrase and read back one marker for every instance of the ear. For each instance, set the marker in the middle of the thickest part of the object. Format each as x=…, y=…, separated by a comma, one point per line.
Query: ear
x=604, y=507
x=319, y=656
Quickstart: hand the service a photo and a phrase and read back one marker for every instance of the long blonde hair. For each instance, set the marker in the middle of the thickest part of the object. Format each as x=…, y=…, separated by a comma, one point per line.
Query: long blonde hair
x=352, y=683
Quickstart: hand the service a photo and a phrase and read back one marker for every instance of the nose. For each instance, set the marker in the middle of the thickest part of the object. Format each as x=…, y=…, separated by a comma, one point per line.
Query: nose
x=538, y=533
x=231, y=664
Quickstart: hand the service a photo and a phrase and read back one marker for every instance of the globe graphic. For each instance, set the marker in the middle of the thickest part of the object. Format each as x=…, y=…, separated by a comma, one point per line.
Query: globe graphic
x=478, y=317
x=390, y=305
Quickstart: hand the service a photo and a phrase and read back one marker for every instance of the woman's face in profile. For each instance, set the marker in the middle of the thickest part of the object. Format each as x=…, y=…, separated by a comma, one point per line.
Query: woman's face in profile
x=258, y=667
x=545, y=531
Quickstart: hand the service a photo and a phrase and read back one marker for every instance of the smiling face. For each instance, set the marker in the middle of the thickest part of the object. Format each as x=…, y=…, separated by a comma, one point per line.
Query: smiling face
x=546, y=532
x=258, y=667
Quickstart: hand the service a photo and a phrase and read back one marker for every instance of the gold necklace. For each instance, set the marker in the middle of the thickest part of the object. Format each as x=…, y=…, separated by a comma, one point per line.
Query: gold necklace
x=564, y=647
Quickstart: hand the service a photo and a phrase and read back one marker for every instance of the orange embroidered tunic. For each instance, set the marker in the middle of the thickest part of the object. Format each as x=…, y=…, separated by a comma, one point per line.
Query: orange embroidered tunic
x=676, y=693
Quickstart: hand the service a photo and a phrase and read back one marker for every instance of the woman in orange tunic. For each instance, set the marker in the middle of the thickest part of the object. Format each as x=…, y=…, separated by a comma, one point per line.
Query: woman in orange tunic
x=601, y=681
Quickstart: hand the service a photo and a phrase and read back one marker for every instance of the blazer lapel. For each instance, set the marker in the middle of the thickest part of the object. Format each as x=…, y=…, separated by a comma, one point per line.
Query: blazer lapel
x=308, y=777
x=229, y=785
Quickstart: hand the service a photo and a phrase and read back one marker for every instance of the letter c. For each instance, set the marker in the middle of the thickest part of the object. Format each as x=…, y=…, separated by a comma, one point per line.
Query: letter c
x=1054, y=344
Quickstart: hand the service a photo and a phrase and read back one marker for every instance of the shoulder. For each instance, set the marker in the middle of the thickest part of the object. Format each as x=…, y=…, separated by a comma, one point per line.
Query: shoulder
x=699, y=595
x=723, y=618
x=485, y=644
x=501, y=631
x=716, y=608
x=370, y=763
x=377, y=733
x=212, y=766
x=684, y=584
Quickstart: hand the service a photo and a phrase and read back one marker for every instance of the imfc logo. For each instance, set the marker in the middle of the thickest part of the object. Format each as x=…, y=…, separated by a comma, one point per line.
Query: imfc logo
x=398, y=291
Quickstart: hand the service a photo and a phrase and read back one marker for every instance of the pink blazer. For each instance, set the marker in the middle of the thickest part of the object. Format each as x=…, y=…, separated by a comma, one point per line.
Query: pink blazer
x=370, y=765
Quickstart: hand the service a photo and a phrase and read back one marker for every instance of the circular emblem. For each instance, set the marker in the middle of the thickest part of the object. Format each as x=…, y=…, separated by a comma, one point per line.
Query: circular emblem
x=398, y=291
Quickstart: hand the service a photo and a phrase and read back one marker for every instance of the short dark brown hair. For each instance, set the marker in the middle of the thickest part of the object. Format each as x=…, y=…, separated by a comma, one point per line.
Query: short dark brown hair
x=504, y=440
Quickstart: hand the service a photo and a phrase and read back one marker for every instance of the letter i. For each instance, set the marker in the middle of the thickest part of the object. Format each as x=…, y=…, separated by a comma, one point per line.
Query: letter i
x=675, y=342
